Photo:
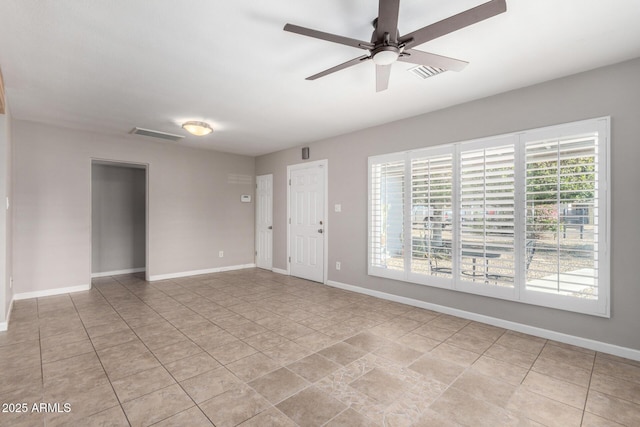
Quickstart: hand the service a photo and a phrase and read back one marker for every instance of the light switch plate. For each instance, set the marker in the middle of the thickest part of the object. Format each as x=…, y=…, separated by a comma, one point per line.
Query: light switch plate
x=338, y=207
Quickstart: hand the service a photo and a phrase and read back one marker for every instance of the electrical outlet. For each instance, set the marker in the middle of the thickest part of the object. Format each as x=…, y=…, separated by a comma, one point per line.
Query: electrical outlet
x=338, y=265
x=221, y=254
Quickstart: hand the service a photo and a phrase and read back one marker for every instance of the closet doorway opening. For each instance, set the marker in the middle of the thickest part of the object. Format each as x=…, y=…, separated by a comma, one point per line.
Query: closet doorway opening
x=119, y=218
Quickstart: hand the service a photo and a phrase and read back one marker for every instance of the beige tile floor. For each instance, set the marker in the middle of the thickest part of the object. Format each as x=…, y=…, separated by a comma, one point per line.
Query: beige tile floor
x=253, y=348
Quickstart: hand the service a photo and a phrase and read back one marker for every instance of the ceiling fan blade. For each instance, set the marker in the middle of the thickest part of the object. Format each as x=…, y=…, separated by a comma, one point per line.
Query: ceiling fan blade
x=328, y=37
x=454, y=23
x=382, y=77
x=432, y=60
x=351, y=63
x=388, y=19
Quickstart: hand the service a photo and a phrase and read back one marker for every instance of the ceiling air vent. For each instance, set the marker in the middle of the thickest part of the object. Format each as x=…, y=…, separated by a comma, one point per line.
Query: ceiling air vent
x=425, y=72
x=156, y=134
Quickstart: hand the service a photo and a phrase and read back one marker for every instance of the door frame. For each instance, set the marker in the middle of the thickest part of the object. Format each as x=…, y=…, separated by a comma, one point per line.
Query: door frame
x=257, y=217
x=307, y=165
x=125, y=163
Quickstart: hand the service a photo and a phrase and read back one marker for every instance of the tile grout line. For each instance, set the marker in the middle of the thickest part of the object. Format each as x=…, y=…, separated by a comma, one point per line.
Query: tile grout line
x=277, y=304
x=617, y=378
x=100, y=360
x=245, y=383
x=450, y=385
x=153, y=354
x=272, y=405
x=41, y=362
x=221, y=364
x=586, y=398
x=547, y=342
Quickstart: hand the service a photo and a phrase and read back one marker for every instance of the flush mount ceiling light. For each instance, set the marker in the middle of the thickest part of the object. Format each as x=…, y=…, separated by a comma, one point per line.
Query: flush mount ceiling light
x=197, y=128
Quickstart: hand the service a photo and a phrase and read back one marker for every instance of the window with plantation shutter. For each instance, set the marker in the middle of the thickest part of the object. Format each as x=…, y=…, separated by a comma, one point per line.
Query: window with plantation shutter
x=563, y=215
x=487, y=215
x=432, y=215
x=523, y=216
x=386, y=219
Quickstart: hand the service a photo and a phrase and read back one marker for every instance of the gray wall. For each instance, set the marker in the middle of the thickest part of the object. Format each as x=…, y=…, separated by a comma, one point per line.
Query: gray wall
x=6, y=217
x=194, y=206
x=613, y=90
x=118, y=218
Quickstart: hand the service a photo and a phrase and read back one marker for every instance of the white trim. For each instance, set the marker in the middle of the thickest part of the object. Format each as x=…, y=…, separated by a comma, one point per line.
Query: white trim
x=199, y=272
x=118, y=272
x=324, y=163
x=280, y=271
x=147, y=222
x=626, y=352
x=5, y=325
x=51, y=292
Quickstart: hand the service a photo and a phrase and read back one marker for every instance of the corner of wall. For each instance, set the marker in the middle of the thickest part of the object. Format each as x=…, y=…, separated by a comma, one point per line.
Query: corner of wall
x=5, y=325
x=6, y=247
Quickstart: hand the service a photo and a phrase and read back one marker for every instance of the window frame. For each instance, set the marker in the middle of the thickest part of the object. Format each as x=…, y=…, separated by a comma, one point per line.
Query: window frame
x=519, y=292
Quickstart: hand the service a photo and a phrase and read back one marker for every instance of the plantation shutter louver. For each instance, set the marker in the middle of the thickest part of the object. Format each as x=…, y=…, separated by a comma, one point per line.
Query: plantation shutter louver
x=487, y=209
x=387, y=218
x=432, y=215
x=562, y=214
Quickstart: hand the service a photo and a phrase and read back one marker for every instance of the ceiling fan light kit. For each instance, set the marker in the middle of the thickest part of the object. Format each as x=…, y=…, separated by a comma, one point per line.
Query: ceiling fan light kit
x=387, y=46
x=197, y=128
x=386, y=55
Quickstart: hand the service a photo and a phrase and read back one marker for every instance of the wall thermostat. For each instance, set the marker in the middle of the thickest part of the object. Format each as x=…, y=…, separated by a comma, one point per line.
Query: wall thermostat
x=245, y=198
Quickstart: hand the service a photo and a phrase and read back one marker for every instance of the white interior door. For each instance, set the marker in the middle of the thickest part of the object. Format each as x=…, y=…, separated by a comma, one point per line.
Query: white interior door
x=264, y=221
x=307, y=229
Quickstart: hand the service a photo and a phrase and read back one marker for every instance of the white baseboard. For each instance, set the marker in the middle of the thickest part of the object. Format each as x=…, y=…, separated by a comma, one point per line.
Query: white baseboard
x=118, y=272
x=280, y=271
x=237, y=267
x=198, y=272
x=51, y=292
x=5, y=325
x=628, y=353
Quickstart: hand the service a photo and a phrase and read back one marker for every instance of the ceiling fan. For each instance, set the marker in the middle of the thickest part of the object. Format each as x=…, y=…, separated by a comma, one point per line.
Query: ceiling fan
x=387, y=45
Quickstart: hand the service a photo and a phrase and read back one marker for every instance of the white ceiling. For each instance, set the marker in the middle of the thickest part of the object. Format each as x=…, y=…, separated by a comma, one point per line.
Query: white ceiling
x=110, y=65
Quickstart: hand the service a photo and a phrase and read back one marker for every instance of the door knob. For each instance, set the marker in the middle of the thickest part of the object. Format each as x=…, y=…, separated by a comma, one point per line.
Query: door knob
x=320, y=230
x=270, y=227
